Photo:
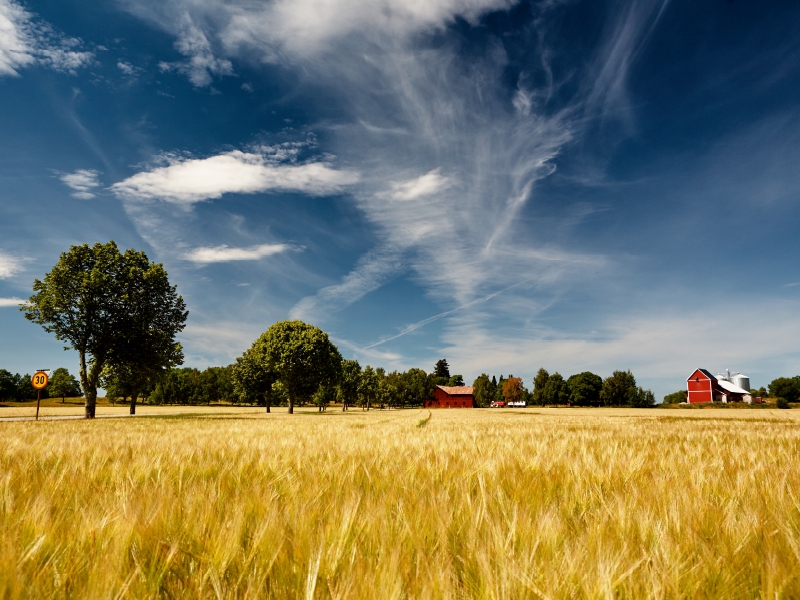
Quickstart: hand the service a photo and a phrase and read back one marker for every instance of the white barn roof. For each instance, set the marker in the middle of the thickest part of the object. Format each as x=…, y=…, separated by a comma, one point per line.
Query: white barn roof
x=729, y=387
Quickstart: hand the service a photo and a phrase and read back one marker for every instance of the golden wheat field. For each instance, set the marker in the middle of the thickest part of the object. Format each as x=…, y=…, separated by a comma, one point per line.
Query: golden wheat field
x=549, y=503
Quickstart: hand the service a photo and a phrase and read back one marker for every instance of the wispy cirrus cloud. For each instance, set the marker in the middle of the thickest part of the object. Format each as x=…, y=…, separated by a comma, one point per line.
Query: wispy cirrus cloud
x=25, y=41
x=82, y=181
x=449, y=148
x=220, y=254
x=424, y=185
x=10, y=265
x=201, y=65
x=372, y=270
x=6, y=302
x=190, y=180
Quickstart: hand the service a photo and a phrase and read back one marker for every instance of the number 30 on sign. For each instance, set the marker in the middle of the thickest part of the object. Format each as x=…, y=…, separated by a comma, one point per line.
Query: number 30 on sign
x=39, y=381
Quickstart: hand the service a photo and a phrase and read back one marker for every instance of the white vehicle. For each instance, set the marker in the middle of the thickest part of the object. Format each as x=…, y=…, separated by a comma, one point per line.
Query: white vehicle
x=520, y=404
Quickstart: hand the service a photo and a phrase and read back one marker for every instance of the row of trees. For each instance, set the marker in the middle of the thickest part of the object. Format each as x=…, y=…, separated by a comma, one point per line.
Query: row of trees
x=293, y=362
x=583, y=389
x=119, y=312
x=16, y=388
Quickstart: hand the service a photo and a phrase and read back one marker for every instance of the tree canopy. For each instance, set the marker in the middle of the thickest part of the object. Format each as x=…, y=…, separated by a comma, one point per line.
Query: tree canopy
x=785, y=387
x=113, y=308
x=456, y=381
x=513, y=390
x=442, y=369
x=584, y=389
x=618, y=389
x=483, y=390
x=556, y=390
x=539, y=383
x=301, y=356
x=252, y=377
x=347, y=390
x=63, y=383
x=676, y=397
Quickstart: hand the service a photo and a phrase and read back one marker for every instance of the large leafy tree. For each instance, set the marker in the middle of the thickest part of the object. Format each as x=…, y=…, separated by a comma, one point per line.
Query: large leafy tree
x=63, y=383
x=643, y=399
x=456, y=381
x=619, y=389
x=347, y=390
x=785, y=387
x=252, y=377
x=483, y=390
x=556, y=390
x=441, y=372
x=301, y=356
x=113, y=308
x=539, y=383
x=584, y=389
x=8, y=385
x=442, y=369
x=420, y=386
x=368, y=386
x=513, y=390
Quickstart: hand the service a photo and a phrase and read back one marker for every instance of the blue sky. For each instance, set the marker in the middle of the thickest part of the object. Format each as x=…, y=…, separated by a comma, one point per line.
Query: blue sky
x=575, y=185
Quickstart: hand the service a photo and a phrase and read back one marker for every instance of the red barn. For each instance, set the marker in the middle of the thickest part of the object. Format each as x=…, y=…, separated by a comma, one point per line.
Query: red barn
x=702, y=386
x=451, y=397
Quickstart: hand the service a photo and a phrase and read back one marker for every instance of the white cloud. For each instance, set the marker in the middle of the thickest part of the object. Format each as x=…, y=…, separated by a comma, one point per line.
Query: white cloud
x=11, y=302
x=128, y=68
x=25, y=41
x=305, y=27
x=15, y=43
x=447, y=157
x=82, y=181
x=202, y=65
x=9, y=265
x=186, y=181
x=224, y=253
x=425, y=185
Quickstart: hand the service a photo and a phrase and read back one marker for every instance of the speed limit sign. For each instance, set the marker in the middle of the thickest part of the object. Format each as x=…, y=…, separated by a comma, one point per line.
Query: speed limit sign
x=40, y=380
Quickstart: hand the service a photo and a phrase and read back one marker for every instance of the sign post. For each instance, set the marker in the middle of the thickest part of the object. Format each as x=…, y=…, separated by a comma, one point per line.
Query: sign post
x=39, y=381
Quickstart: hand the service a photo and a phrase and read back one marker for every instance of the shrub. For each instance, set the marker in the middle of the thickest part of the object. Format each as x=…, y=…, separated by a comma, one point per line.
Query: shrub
x=782, y=403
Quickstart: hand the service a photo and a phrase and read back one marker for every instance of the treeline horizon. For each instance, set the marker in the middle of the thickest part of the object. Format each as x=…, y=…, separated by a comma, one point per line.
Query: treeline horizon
x=373, y=386
x=131, y=351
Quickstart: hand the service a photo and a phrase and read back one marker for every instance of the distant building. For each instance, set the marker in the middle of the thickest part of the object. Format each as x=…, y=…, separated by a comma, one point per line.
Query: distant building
x=451, y=397
x=702, y=386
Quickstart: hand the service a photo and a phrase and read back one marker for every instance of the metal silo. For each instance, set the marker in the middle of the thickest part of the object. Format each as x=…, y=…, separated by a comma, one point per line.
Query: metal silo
x=743, y=381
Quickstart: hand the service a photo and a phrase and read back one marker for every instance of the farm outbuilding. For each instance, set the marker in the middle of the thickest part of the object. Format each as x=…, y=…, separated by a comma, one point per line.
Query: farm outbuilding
x=451, y=397
x=702, y=386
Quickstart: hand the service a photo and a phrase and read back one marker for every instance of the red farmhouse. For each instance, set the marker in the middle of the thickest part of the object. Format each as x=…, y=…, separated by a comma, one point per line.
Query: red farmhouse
x=702, y=386
x=451, y=397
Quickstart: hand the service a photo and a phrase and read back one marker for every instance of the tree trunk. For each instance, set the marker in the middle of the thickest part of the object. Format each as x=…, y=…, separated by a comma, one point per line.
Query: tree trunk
x=91, y=402
x=291, y=405
x=267, y=403
x=62, y=399
x=89, y=388
x=134, y=397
